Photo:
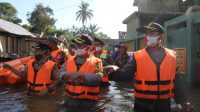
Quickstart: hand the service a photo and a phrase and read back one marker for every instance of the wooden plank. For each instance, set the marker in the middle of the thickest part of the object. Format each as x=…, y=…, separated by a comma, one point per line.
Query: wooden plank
x=2, y=44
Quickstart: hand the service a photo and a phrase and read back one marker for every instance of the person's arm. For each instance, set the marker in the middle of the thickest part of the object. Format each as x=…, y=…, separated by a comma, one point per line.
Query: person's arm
x=179, y=95
x=62, y=74
x=96, y=78
x=21, y=73
x=127, y=73
x=54, y=78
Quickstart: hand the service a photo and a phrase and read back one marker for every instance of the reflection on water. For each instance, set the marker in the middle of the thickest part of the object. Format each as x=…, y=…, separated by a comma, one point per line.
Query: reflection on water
x=117, y=98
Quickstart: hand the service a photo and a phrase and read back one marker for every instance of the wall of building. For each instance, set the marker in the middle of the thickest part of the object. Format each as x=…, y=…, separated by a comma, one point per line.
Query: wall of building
x=159, y=5
x=131, y=45
x=131, y=28
x=183, y=32
x=11, y=44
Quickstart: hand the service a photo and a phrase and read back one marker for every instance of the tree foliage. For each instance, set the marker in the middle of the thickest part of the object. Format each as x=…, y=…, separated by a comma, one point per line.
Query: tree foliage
x=40, y=19
x=9, y=13
x=84, y=13
x=92, y=30
x=101, y=35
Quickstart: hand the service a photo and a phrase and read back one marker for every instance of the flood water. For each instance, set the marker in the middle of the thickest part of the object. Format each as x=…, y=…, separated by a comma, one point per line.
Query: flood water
x=117, y=98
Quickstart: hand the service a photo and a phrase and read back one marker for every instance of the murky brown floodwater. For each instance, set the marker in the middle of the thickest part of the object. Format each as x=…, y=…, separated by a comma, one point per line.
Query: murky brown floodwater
x=117, y=98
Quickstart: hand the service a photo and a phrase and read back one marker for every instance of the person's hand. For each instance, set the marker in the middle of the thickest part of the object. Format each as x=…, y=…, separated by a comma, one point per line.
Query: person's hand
x=43, y=92
x=187, y=106
x=110, y=68
x=76, y=77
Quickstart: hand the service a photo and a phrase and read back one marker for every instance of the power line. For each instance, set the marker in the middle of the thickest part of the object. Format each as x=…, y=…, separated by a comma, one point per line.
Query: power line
x=66, y=7
x=60, y=9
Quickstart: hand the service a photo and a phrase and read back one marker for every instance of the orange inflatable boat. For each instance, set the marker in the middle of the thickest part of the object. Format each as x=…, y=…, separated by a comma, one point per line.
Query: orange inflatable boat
x=8, y=77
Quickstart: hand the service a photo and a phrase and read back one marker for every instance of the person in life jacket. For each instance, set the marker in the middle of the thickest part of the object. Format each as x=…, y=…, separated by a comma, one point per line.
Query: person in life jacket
x=123, y=57
x=154, y=72
x=41, y=73
x=72, y=50
x=104, y=56
x=82, y=74
x=57, y=54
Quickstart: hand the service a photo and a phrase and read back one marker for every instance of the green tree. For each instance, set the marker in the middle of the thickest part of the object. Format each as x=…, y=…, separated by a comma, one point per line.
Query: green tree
x=9, y=13
x=68, y=35
x=92, y=30
x=41, y=19
x=27, y=27
x=78, y=31
x=101, y=35
x=84, y=13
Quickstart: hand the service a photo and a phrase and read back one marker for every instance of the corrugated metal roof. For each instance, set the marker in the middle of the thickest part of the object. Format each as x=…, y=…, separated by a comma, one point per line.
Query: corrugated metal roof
x=9, y=27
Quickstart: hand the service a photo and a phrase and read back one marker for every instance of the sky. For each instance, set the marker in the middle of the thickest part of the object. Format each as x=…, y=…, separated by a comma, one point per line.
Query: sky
x=108, y=14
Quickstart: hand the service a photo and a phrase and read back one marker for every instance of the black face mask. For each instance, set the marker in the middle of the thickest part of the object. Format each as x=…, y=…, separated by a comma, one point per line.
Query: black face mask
x=38, y=57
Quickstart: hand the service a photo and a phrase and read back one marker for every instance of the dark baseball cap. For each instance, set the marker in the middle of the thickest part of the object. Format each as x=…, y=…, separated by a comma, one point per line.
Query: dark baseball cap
x=151, y=26
x=83, y=39
x=53, y=39
x=42, y=46
x=98, y=40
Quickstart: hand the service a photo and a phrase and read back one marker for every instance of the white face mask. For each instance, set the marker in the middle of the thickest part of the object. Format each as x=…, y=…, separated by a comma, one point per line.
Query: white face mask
x=98, y=48
x=74, y=50
x=80, y=52
x=116, y=49
x=152, y=41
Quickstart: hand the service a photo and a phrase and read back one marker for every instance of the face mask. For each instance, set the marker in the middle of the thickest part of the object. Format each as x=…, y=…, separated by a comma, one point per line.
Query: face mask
x=73, y=49
x=80, y=52
x=152, y=41
x=116, y=49
x=98, y=48
x=38, y=57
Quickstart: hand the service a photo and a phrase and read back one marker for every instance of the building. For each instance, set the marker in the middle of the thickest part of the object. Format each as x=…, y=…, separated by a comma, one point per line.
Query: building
x=141, y=18
x=12, y=39
x=122, y=35
x=149, y=10
x=183, y=35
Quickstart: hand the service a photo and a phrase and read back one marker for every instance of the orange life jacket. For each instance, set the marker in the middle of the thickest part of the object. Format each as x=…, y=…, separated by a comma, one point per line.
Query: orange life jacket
x=152, y=82
x=81, y=91
x=54, y=55
x=41, y=79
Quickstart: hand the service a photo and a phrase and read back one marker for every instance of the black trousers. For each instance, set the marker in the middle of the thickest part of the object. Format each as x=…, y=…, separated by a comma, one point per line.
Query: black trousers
x=142, y=105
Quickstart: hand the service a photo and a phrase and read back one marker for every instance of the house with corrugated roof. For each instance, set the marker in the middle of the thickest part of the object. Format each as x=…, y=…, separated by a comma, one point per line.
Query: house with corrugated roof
x=13, y=39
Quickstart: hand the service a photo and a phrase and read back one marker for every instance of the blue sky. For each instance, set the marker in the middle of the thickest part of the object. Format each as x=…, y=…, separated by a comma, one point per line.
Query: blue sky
x=108, y=14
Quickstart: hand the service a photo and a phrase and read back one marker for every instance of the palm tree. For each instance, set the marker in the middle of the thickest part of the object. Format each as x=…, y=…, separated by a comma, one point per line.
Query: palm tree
x=93, y=29
x=84, y=13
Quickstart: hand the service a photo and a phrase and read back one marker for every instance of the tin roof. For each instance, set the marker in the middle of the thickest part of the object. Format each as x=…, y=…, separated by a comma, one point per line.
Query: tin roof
x=6, y=26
